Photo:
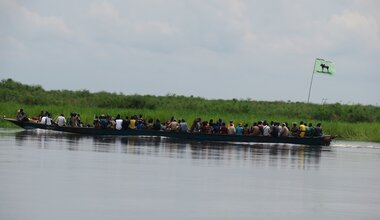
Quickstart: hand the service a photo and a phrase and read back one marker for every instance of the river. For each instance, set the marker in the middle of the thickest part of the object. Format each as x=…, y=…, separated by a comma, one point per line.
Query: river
x=50, y=175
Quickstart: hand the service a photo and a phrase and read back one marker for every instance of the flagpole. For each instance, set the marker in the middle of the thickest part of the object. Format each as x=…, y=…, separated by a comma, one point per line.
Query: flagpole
x=311, y=83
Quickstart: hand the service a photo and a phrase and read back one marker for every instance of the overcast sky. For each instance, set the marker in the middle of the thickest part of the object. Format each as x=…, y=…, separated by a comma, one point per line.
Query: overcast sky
x=262, y=50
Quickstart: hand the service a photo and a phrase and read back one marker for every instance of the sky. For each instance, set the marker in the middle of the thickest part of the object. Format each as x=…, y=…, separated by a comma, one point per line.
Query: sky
x=216, y=49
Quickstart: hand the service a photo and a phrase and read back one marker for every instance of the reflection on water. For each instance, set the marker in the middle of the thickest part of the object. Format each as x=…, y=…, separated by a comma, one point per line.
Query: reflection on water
x=51, y=175
x=273, y=155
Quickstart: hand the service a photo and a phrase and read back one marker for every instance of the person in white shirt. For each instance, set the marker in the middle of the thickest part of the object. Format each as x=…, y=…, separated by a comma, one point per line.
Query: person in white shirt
x=46, y=119
x=231, y=128
x=119, y=123
x=266, y=129
x=43, y=119
x=61, y=120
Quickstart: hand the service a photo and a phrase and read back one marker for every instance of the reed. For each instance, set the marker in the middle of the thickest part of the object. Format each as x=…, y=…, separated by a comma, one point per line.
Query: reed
x=367, y=131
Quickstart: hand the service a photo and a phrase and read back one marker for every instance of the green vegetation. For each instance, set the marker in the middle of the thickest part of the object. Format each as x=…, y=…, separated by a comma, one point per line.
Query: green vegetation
x=353, y=122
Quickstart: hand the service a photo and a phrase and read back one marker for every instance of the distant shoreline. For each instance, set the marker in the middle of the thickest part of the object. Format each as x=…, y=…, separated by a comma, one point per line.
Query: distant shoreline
x=348, y=122
x=366, y=131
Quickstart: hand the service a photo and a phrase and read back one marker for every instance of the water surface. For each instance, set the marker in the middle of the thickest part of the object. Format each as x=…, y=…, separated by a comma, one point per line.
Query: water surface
x=51, y=175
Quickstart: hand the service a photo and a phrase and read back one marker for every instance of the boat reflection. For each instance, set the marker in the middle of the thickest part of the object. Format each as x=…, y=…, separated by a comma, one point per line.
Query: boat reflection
x=299, y=157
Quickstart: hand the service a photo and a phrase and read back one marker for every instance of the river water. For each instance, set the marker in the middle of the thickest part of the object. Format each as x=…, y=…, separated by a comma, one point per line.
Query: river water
x=50, y=175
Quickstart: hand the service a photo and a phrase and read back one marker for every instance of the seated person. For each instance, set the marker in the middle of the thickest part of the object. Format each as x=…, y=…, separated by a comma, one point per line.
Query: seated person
x=318, y=130
x=294, y=131
x=284, y=131
x=21, y=115
x=239, y=129
x=61, y=120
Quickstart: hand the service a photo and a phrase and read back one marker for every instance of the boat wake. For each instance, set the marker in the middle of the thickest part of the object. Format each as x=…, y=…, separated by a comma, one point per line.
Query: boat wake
x=355, y=144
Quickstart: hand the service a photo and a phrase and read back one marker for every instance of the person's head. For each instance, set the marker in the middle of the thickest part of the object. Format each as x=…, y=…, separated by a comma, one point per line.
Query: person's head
x=62, y=115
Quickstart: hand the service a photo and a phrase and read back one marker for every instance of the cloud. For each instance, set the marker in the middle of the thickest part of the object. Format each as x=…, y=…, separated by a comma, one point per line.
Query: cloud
x=362, y=29
x=23, y=19
x=106, y=12
x=247, y=44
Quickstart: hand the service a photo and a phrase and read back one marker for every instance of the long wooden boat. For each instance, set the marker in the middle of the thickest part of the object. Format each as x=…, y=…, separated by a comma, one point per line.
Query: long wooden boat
x=311, y=141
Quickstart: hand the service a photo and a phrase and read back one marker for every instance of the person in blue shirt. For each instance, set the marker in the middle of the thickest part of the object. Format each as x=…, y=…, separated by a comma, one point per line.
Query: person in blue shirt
x=239, y=129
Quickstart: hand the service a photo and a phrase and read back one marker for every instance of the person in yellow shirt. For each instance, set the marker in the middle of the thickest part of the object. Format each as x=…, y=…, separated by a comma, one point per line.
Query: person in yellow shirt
x=133, y=122
x=302, y=129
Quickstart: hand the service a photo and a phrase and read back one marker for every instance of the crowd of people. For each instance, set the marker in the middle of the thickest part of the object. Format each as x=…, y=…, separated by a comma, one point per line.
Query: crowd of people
x=259, y=128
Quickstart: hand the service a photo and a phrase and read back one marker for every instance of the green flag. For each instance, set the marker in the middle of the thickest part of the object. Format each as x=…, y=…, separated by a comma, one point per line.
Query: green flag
x=324, y=66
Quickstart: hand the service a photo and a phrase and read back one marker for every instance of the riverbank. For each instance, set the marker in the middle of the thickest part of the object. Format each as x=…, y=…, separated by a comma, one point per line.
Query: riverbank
x=364, y=131
x=348, y=122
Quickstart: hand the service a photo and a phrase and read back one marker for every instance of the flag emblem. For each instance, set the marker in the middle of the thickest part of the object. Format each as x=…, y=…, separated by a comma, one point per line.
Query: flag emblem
x=324, y=66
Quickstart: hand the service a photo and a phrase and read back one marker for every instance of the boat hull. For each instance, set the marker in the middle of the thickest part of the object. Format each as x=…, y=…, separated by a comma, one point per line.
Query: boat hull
x=312, y=141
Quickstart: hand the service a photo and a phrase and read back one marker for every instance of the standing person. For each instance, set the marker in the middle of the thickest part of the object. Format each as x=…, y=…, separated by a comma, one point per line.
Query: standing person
x=61, y=120
x=119, y=122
